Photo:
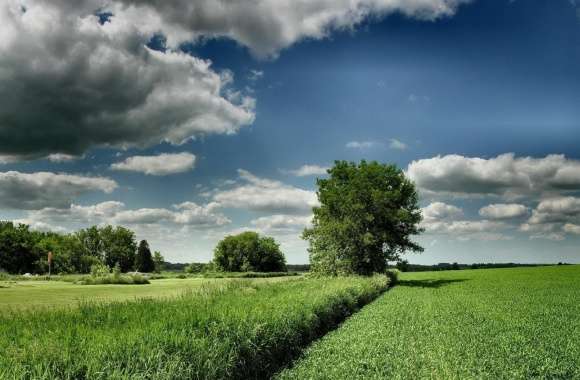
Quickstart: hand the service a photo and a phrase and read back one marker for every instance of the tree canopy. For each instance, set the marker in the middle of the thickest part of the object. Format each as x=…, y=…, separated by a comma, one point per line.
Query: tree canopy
x=249, y=252
x=367, y=216
x=144, y=261
x=23, y=250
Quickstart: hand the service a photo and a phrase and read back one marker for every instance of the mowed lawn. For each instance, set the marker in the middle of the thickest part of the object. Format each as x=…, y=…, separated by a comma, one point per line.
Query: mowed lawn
x=50, y=294
x=519, y=323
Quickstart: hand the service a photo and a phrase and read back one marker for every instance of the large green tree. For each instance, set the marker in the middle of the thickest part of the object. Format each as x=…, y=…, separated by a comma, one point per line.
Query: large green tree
x=119, y=247
x=249, y=252
x=367, y=216
x=144, y=261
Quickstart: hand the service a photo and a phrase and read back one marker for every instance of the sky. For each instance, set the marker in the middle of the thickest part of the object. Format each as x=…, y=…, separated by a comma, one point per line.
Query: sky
x=187, y=121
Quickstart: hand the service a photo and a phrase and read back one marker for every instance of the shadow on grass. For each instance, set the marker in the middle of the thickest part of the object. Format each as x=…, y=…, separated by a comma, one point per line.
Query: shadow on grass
x=428, y=283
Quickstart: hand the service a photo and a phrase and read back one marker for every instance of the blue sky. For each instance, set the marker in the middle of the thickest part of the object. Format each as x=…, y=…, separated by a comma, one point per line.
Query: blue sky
x=202, y=133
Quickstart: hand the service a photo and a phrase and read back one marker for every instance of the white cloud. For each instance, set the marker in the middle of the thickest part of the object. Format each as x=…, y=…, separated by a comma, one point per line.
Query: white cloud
x=308, y=170
x=184, y=214
x=254, y=75
x=553, y=218
x=259, y=194
x=282, y=223
x=160, y=165
x=27, y=191
x=556, y=210
x=89, y=84
x=397, y=144
x=503, y=211
x=267, y=26
x=442, y=218
x=572, y=228
x=437, y=211
x=504, y=175
x=362, y=144
x=60, y=157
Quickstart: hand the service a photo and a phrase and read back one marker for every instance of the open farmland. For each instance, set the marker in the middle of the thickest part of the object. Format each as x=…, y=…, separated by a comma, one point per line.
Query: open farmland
x=492, y=324
x=227, y=329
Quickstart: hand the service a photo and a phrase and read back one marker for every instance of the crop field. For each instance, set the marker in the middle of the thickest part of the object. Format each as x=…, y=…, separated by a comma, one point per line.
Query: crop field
x=489, y=324
x=224, y=329
x=50, y=294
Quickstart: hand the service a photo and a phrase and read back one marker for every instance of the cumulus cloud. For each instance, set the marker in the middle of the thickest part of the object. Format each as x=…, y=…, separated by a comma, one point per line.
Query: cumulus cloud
x=90, y=80
x=159, y=165
x=437, y=211
x=572, y=228
x=553, y=218
x=260, y=194
x=60, y=157
x=28, y=191
x=308, y=170
x=503, y=211
x=267, y=26
x=111, y=212
x=504, y=175
x=282, y=223
x=69, y=82
x=443, y=218
x=362, y=144
x=397, y=144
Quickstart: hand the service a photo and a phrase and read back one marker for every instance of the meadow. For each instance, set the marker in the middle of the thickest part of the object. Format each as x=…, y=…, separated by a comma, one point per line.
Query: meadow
x=27, y=294
x=223, y=329
x=519, y=323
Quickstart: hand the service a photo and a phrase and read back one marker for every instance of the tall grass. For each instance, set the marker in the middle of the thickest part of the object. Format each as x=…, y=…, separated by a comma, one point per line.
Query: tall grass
x=235, y=329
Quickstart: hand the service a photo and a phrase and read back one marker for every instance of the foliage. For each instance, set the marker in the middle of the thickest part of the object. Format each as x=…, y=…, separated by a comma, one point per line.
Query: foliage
x=229, y=329
x=248, y=274
x=158, y=261
x=393, y=275
x=119, y=247
x=115, y=278
x=17, y=248
x=23, y=250
x=143, y=261
x=368, y=213
x=478, y=324
x=100, y=270
x=196, y=268
x=249, y=252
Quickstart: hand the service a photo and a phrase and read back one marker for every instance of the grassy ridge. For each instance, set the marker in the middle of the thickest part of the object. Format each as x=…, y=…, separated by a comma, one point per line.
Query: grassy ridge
x=487, y=324
x=230, y=329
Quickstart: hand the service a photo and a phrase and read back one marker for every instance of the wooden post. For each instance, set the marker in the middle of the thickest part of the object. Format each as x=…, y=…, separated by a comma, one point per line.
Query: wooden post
x=49, y=263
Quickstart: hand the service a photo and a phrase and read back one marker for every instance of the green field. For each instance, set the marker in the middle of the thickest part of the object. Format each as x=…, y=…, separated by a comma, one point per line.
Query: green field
x=488, y=324
x=225, y=329
x=33, y=294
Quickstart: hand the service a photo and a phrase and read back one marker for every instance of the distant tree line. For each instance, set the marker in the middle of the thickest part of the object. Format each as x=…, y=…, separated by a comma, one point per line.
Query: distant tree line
x=23, y=250
x=405, y=266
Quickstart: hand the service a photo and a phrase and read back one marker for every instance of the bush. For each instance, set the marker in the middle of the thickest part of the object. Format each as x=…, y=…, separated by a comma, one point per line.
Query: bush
x=114, y=279
x=249, y=252
x=100, y=270
x=393, y=275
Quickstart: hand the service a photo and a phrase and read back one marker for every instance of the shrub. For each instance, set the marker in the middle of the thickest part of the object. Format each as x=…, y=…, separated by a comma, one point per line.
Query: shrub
x=112, y=279
x=100, y=270
x=249, y=252
x=393, y=275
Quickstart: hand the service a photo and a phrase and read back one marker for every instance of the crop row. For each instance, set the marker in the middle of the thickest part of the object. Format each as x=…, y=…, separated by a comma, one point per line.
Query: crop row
x=483, y=324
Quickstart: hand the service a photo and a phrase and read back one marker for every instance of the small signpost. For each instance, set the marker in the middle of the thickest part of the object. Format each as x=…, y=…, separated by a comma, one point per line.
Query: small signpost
x=49, y=262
